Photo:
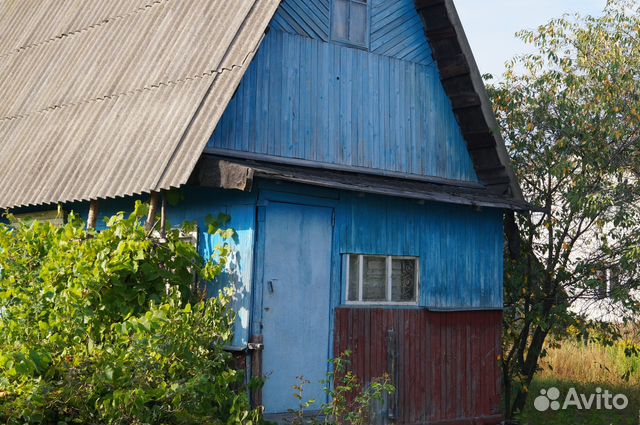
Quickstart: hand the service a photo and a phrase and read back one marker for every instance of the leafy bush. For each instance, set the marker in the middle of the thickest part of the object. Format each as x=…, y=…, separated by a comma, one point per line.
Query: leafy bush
x=105, y=327
x=351, y=402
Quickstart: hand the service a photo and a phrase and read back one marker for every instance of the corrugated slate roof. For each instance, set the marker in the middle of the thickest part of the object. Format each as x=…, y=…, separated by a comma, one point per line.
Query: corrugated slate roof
x=115, y=97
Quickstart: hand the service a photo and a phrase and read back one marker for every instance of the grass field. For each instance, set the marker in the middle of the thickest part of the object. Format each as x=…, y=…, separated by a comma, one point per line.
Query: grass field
x=587, y=368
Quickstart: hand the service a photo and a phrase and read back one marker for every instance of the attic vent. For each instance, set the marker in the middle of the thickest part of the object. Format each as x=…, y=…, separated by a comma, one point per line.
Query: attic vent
x=350, y=22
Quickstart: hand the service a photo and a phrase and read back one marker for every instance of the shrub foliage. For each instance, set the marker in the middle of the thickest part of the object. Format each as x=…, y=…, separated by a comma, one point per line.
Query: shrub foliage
x=105, y=327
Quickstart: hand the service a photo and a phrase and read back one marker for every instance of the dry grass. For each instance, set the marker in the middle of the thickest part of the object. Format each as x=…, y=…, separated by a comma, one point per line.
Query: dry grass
x=592, y=364
x=587, y=368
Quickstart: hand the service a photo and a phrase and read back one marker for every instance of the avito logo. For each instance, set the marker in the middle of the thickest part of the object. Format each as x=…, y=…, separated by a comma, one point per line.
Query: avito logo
x=550, y=399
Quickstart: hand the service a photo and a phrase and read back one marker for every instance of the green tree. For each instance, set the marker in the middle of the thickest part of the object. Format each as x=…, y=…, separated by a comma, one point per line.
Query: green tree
x=570, y=115
x=107, y=327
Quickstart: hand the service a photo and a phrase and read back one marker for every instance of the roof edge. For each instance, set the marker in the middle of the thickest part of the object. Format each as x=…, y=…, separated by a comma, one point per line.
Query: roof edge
x=465, y=88
x=238, y=173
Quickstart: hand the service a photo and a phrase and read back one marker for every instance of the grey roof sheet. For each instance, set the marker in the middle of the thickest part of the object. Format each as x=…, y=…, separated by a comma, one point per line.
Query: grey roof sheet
x=115, y=97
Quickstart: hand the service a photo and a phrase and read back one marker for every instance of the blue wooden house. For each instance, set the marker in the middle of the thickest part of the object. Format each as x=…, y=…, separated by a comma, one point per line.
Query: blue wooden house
x=351, y=141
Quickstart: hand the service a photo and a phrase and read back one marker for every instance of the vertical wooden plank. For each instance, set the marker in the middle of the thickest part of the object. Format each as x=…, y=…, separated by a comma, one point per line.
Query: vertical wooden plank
x=498, y=373
x=437, y=366
x=366, y=345
x=450, y=395
x=392, y=362
x=400, y=324
x=310, y=113
x=346, y=105
x=484, y=381
x=460, y=365
x=375, y=340
x=468, y=408
x=337, y=337
x=476, y=386
x=426, y=361
x=351, y=332
x=413, y=334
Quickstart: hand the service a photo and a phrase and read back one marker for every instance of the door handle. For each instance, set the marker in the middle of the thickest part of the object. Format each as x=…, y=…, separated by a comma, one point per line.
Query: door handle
x=270, y=285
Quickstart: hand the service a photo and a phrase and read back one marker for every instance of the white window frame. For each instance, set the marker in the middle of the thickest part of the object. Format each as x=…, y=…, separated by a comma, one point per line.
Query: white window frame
x=389, y=271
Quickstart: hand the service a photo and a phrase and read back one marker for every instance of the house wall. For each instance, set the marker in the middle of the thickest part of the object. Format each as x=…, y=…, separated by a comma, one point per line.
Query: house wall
x=460, y=248
x=444, y=365
x=446, y=348
x=383, y=111
x=446, y=354
x=195, y=205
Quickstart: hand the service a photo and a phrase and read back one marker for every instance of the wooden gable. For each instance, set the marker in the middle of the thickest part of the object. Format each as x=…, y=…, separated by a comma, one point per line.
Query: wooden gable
x=379, y=108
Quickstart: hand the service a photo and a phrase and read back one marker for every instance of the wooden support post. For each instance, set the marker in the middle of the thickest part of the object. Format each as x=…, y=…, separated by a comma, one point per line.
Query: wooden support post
x=255, y=348
x=153, y=209
x=92, y=218
x=163, y=216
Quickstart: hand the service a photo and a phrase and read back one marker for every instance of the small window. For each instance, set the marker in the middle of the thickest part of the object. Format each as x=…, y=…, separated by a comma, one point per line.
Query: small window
x=377, y=279
x=608, y=282
x=350, y=22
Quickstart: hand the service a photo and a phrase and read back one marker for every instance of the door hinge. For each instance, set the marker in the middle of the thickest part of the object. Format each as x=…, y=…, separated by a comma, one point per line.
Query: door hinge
x=333, y=218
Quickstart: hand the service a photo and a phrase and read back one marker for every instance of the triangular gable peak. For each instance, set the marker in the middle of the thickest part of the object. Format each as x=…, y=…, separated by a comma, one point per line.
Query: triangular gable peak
x=392, y=27
x=134, y=114
x=375, y=86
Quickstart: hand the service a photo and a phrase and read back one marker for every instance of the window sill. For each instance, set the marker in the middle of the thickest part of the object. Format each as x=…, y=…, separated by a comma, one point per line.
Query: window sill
x=384, y=306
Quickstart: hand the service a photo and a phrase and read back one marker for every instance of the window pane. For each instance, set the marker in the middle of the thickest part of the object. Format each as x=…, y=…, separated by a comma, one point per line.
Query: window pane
x=374, y=279
x=341, y=19
x=358, y=23
x=403, y=280
x=353, y=278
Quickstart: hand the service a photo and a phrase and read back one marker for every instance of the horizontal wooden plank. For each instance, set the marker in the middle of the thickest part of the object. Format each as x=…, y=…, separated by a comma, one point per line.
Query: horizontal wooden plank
x=445, y=32
x=453, y=66
x=465, y=100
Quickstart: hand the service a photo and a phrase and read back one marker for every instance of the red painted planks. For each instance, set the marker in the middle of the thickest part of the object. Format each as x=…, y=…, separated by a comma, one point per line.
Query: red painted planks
x=446, y=363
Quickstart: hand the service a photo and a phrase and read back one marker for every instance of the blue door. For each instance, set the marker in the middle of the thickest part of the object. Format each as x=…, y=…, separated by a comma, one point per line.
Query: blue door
x=295, y=302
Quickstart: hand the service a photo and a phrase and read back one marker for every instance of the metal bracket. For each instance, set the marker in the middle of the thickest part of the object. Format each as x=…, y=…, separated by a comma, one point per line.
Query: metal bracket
x=255, y=346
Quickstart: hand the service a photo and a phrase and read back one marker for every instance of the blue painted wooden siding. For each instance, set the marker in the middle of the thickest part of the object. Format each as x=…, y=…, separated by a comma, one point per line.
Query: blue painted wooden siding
x=396, y=28
x=307, y=18
x=197, y=204
x=460, y=249
x=306, y=99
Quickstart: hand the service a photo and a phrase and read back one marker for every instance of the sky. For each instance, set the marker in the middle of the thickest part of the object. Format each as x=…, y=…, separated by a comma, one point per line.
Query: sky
x=491, y=25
